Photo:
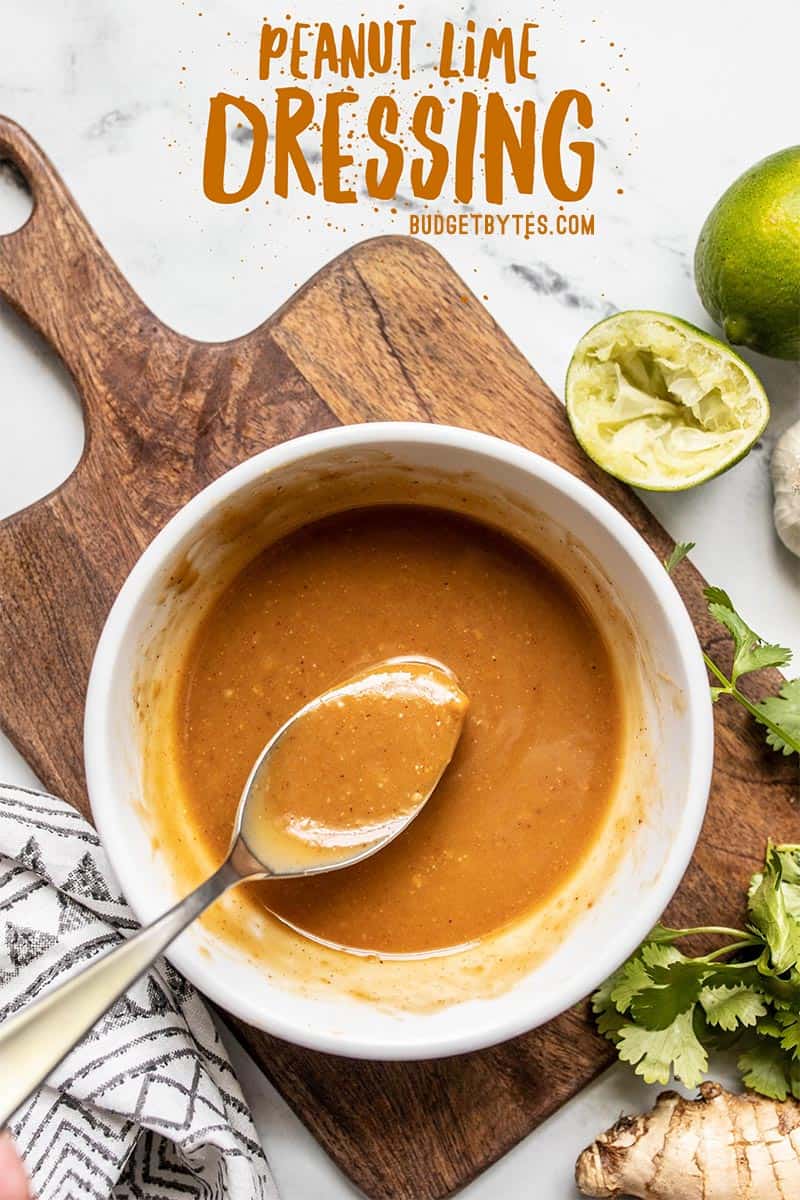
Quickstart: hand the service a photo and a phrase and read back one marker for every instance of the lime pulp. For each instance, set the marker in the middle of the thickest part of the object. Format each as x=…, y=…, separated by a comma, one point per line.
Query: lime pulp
x=660, y=404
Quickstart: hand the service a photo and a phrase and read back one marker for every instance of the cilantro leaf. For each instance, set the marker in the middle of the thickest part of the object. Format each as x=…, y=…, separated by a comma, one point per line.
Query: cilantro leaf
x=783, y=710
x=620, y=988
x=790, y=863
x=631, y=979
x=613, y=998
x=655, y=1053
x=678, y=554
x=601, y=999
x=677, y=988
x=751, y=652
x=715, y=595
x=771, y=916
x=609, y=1023
x=765, y=1068
x=779, y=714
x=769, y=1028
x=755, y=883
x=790, y=1023
x=609, y=1019
x=729, y=1007
x=789, y=859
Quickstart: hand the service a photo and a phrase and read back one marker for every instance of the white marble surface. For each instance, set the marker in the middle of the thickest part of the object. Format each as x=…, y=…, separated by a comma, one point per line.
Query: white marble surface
x=708, y=90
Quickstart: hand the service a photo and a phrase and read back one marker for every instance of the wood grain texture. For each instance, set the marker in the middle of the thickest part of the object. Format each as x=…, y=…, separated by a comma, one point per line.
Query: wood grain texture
x=387, y=331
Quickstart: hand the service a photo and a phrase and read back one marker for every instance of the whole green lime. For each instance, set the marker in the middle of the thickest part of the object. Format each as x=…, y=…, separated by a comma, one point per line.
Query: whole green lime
x=747, y=262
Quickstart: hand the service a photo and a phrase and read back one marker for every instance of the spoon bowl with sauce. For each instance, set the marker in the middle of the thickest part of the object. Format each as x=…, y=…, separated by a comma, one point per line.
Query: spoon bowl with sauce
x=343, y=777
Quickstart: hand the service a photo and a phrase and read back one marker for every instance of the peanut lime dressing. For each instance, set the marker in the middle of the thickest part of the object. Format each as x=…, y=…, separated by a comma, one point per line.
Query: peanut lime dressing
x=354, y=766
x=533, y=775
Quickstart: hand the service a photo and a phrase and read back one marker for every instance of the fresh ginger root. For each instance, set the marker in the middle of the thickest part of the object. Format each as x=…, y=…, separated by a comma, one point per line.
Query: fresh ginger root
x=719, y=1147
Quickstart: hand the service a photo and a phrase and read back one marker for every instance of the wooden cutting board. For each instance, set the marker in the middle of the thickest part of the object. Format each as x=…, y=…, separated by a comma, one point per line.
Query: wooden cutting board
x=387, y=330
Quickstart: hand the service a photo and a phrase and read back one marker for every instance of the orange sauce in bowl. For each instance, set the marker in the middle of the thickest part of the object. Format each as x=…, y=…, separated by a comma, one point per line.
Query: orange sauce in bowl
x=534, y=773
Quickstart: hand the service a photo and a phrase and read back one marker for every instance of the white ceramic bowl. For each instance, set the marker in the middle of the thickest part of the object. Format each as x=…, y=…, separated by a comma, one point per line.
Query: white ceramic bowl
x=637, y=890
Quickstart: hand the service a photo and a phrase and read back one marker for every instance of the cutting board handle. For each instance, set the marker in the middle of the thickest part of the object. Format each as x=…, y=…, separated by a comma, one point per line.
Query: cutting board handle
x=55, y=271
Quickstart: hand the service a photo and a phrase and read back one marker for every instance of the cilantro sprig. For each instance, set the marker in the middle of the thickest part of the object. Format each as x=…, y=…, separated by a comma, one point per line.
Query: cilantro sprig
x=779, y=714
x=664, y=1009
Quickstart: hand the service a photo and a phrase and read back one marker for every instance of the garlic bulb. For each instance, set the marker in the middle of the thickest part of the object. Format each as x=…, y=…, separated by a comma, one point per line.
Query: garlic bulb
x=786, y=486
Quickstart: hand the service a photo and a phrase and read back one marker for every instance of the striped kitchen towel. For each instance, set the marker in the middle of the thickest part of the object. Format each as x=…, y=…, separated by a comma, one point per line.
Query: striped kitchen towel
x=148, y=1106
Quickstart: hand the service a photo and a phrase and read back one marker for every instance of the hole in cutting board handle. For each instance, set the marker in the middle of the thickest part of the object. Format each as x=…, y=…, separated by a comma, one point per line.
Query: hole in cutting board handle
x=16, y=197
x=41, y=417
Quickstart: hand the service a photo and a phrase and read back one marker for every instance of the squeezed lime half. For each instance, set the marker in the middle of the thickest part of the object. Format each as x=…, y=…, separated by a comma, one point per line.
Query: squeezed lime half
x=659, y=403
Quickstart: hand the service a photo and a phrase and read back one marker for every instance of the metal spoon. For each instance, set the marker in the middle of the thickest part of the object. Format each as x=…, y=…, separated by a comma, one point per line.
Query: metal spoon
x=34, y=1042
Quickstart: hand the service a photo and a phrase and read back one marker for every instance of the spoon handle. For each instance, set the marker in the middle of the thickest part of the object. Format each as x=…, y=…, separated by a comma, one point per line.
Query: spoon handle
x=33, y=1043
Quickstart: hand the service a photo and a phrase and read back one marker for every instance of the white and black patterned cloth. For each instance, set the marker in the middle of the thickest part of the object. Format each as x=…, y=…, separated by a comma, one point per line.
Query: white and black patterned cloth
x=148, y=1106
